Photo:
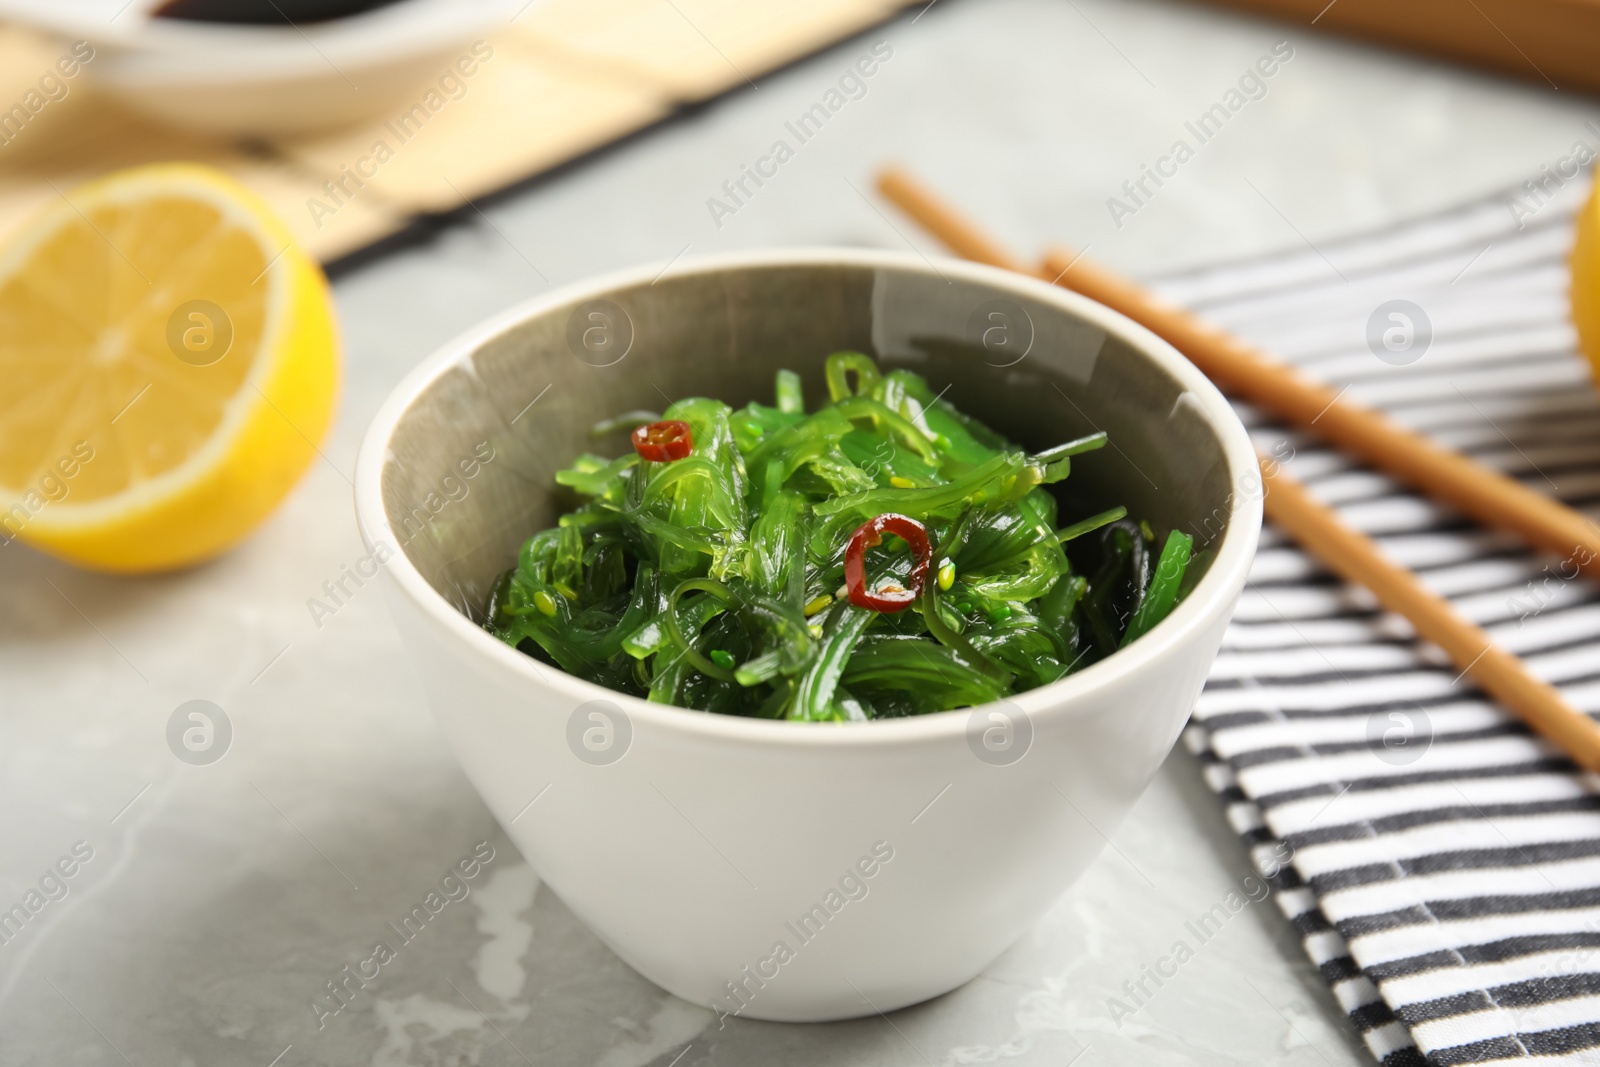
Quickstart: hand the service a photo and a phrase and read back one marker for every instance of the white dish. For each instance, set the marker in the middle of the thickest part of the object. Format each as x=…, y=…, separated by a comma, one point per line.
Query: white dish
x=265, y=80
x=695, y=844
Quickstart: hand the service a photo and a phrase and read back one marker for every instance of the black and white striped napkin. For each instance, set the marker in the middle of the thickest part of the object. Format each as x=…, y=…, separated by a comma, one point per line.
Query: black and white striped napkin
x=1446, y=862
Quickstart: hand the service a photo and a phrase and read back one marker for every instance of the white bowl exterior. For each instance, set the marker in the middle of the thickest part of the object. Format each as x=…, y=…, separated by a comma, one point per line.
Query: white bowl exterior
x=228, y=79
x=690, y=854
x=305, y=101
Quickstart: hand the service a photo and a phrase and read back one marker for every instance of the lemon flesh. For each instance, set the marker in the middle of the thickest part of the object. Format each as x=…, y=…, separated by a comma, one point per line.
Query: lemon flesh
x=168, y=362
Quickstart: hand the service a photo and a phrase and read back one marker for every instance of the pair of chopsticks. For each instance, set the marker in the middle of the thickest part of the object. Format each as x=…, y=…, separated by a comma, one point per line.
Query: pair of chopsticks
x=1235, y=367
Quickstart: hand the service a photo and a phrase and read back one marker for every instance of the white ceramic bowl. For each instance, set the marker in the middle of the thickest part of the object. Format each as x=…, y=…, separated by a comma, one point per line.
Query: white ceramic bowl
x=784, y=870
x=271, y=80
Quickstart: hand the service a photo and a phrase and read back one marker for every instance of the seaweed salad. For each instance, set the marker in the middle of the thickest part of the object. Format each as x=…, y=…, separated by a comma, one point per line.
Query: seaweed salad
x=883, y=555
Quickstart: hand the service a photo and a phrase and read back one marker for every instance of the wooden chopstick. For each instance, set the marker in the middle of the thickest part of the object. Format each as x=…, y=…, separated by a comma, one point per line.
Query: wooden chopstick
x=1356, y=558
x=1317, y=528
x=1236, y=368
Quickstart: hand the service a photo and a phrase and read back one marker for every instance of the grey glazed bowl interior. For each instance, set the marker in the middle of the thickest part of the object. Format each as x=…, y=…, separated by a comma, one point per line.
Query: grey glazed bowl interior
x=538, y=379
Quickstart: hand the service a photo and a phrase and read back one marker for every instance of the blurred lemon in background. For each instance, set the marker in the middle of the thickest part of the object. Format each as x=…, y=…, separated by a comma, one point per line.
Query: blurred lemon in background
x=1586, y=279
x=169, y=361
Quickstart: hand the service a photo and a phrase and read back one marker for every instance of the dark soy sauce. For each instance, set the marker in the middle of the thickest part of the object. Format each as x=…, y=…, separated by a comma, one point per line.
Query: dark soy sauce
x=265, y=12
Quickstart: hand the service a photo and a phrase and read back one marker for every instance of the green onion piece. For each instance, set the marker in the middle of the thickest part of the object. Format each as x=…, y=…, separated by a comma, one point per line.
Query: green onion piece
x=1071, y=448
x=1055, y=464
x=791, y=401
x=1091, y=524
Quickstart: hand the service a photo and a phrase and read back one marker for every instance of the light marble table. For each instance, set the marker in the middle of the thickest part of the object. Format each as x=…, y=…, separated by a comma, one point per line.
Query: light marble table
x=219, y=899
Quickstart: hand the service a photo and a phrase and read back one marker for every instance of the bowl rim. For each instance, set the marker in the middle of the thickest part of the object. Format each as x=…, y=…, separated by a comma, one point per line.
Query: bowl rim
x=1213, y=595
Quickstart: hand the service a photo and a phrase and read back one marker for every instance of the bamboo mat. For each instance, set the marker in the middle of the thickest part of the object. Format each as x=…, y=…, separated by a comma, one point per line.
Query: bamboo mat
x=567, y=77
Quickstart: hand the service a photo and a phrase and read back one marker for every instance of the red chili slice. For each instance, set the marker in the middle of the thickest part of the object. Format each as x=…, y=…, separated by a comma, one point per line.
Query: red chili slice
x=665, y=441
x=869, y=535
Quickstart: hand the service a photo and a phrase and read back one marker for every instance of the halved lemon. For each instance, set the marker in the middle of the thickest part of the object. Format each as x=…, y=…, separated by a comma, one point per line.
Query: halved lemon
x=169, y=362
x=1586, y=279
